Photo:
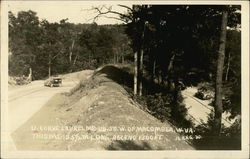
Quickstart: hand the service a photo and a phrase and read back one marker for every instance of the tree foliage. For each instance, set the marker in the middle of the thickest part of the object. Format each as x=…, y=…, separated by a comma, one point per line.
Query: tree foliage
x=55, y=48
x=180, y=43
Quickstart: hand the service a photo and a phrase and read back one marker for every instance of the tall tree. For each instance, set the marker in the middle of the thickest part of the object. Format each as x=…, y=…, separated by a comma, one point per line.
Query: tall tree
x=135, y=72
x=220, y=64
x=142, y=47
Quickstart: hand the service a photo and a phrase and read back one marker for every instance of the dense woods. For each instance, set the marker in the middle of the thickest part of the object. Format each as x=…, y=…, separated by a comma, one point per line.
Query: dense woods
x=189, y=44
x=172, y=47
x=55, y=48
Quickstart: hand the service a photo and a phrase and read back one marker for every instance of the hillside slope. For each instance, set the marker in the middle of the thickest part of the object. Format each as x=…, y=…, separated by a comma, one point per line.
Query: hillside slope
x=98, y=115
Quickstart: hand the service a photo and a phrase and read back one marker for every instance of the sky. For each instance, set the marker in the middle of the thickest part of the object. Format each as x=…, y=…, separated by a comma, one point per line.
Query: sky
x=75, y=11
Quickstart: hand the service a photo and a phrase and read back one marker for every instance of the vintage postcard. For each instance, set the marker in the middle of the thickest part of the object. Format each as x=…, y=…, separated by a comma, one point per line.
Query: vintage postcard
x=124, y=79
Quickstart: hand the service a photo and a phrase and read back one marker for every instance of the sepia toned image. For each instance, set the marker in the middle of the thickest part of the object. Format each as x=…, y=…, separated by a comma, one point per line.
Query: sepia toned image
x=125, y=77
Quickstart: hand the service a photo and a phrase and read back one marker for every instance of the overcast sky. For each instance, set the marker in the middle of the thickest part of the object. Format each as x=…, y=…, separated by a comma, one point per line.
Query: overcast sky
x=54, y=11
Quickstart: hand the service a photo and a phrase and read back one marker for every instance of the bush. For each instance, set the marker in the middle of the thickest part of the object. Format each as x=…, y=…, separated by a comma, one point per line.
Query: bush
x=19, y=80
x=229, y=139
x=179, y=111
x=164, y=108
x=158, y=104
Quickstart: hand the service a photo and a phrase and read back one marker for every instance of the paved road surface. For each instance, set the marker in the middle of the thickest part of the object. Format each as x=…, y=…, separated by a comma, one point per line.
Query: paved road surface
x=25, y=101
x=199, y=110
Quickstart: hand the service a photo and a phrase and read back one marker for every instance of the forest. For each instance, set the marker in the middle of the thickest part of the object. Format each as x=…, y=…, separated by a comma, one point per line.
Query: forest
x=55, y=48
x=168, y=47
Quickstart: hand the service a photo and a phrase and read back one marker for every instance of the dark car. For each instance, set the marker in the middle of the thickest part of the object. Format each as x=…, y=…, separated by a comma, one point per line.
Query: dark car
x=204, y=93
x=53, y=82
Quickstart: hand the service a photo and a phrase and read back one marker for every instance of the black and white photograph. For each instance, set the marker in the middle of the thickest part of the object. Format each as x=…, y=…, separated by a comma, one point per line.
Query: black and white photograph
x=122, y=76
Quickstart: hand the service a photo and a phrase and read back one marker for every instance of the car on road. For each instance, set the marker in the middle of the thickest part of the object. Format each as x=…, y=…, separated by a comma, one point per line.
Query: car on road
x=204, y=93
x=53, y=82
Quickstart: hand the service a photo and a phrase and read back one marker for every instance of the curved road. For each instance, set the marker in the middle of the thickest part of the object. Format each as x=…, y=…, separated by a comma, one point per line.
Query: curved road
x=199, y=110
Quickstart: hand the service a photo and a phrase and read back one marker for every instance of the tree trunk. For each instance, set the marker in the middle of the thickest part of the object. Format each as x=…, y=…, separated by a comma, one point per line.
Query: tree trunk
x=30, y=75
x=228, y=66
x=218, y=84
x=159, y=77
x=135, y=72
x=89, y=60
x=136, y=65
x=117, y=57
x=122, y=54
x=141, y=60
x=153, y=73
x=70, y=56
x=171, y=62
x=75, y=60
x=122, y=58
x=141, y=72
x=71, y=51
x=169, y=72
x=49, y=70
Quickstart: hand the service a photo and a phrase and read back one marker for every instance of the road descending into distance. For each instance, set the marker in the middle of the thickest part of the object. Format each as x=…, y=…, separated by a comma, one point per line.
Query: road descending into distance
x=25, y=101
x=199, y=110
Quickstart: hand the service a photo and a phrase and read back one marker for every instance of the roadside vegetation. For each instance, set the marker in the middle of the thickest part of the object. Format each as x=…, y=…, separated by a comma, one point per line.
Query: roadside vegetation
x=159, y=51
x=44, y=49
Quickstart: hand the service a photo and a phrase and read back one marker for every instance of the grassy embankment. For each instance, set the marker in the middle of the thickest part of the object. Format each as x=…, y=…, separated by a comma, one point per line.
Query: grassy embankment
x=99, y=101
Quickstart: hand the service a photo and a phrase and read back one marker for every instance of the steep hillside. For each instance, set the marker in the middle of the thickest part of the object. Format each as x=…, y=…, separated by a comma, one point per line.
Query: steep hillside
x=98, y=114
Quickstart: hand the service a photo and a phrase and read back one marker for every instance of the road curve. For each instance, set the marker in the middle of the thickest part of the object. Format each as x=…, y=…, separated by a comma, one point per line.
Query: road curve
x=199, y=110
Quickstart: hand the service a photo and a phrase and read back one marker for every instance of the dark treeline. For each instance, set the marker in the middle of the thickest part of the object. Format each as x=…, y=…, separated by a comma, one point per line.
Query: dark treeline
x=182, y=42
x=54, y=48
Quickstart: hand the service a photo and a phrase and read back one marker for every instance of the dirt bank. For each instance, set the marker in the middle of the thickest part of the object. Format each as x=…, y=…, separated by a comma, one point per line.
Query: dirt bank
x=98, y=115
